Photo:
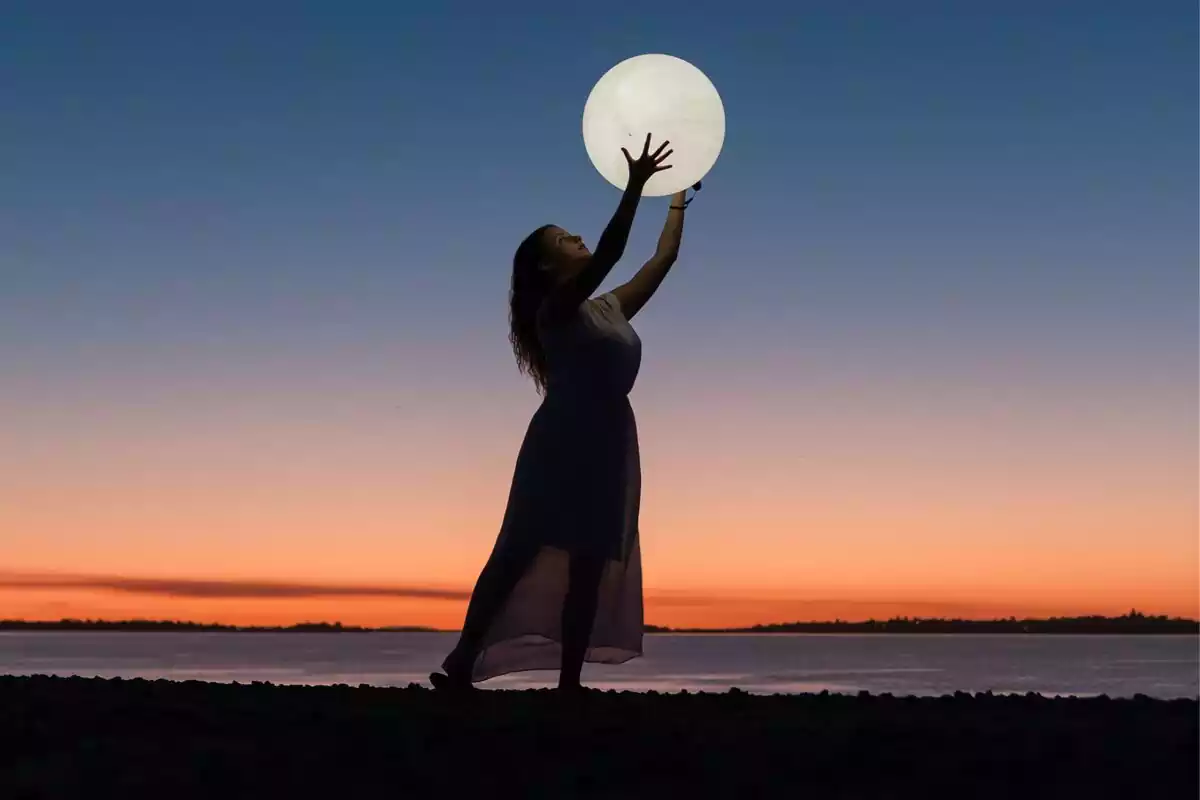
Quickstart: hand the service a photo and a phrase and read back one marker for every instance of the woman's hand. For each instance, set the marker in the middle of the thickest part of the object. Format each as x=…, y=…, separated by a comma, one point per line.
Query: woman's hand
x=646, y=165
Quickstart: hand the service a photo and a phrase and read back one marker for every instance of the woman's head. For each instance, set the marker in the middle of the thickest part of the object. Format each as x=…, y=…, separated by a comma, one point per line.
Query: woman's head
x=545, y=258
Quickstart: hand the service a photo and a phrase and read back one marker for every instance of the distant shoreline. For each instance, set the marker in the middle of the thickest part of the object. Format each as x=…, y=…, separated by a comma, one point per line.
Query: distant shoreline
x=1132, y=623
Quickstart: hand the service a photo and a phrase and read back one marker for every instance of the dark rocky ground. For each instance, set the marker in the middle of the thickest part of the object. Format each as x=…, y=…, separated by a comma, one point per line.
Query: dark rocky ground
x=95, y=738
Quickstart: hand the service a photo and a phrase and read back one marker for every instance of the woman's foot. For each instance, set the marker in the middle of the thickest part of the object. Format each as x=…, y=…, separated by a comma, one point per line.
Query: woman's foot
x=457, y=674
x=444, y=682
x=572, y=688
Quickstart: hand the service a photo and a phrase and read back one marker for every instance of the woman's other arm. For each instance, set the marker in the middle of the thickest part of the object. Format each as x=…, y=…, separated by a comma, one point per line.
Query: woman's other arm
x=642, y=286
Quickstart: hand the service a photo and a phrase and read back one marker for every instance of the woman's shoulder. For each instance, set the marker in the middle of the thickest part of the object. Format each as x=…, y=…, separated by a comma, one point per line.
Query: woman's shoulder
x=607, y=304
x=596, y=310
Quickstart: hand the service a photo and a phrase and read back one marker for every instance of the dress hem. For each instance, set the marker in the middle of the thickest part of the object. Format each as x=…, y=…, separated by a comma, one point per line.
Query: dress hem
x=599, y=654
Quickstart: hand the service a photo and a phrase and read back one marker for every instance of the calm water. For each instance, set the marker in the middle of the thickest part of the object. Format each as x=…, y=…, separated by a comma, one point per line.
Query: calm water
x=1120, y=666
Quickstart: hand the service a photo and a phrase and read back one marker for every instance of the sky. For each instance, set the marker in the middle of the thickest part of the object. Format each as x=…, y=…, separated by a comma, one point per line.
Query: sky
x=930, y=348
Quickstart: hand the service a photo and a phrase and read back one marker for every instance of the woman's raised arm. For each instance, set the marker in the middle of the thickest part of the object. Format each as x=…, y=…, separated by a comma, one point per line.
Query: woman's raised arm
x=642, y=286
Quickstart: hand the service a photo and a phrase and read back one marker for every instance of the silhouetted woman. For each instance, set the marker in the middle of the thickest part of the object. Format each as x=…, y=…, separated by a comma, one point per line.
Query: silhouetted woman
x=563, y=584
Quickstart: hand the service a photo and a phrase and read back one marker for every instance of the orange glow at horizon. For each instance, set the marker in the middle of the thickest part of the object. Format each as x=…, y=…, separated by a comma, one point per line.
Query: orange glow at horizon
x=53, y=597
x=854, y=505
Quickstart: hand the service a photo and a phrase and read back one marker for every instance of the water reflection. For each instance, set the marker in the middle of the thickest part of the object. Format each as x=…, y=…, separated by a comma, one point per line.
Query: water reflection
x=1160, y=666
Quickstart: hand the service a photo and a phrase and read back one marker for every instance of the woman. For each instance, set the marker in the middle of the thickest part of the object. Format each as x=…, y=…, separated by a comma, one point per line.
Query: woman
x=563, y=584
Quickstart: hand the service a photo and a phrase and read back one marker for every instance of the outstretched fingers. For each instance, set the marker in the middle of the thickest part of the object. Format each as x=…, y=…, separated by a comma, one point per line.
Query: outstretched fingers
x=645, y=165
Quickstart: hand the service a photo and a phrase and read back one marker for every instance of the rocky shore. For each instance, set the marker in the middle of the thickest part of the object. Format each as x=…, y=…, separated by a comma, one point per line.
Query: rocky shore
x=98, y=738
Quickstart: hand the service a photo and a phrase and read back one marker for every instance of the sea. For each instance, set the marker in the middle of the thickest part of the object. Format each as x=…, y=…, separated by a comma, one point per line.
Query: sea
x=1162, y=666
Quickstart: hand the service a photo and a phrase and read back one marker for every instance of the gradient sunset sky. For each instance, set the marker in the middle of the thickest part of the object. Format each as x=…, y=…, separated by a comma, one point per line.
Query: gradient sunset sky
x=930, y=348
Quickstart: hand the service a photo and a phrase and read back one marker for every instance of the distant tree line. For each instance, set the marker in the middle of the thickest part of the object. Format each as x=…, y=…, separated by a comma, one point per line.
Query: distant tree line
x=1133, y=622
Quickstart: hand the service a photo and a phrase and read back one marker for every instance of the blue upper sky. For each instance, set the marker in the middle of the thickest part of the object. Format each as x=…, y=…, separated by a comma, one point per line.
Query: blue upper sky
x=204, y=189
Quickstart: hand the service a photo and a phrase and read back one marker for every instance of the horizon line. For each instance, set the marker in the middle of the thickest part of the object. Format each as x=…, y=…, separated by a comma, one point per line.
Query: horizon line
x=1132, y=614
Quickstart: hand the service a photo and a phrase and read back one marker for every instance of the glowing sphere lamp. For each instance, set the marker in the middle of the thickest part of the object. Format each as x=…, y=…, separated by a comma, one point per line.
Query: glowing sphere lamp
x=664, y=96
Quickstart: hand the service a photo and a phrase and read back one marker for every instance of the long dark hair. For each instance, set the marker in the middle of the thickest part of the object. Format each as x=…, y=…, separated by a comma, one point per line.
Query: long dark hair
x=529, y=285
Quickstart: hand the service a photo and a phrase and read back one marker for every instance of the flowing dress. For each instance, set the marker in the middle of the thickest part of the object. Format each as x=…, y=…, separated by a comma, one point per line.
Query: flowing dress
x=576, y=489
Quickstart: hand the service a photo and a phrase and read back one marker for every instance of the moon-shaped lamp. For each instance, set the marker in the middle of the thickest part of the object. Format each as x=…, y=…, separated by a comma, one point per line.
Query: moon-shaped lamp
x=664, y=96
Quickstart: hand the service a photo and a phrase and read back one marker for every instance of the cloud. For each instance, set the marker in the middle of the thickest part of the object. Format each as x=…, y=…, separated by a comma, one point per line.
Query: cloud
x=773, y=607
x=184, y=587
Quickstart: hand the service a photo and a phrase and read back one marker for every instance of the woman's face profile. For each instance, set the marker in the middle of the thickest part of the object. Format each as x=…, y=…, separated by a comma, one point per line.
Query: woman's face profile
x=563, y=253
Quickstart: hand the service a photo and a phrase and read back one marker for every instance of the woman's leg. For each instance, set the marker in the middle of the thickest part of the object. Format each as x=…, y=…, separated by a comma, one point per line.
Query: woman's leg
x=579, y=614
x=496, y=581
